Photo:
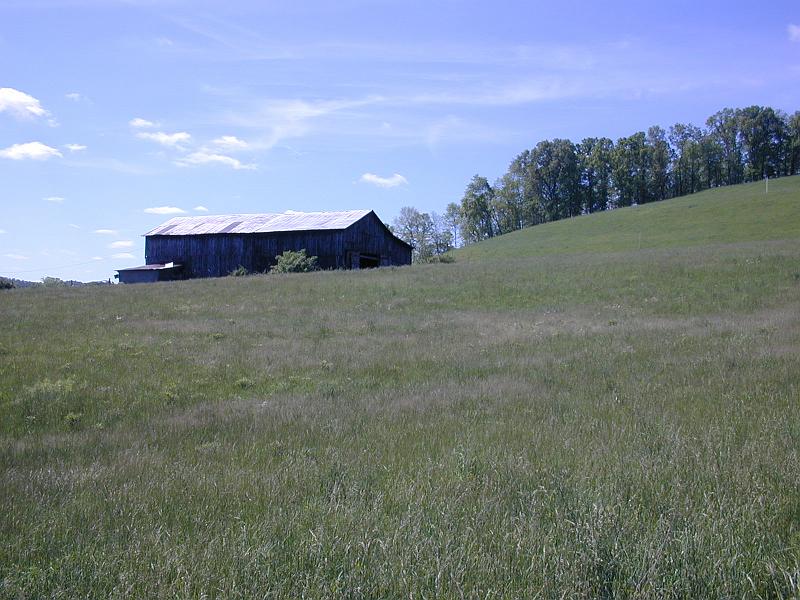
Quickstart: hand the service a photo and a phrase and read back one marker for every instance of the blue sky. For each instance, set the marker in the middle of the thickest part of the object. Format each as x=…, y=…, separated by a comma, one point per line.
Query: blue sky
x=115, y=115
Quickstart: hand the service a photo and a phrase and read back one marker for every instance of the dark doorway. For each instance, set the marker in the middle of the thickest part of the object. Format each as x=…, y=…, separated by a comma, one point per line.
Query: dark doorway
x=368, y=261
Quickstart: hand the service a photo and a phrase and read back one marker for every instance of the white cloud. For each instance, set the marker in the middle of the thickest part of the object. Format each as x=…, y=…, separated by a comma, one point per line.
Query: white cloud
x=141, y=123
x=106, y=231
x=2, y=231
x=74, y=147
x=74, y=96
x=32, y=150
x=20, y=104
x=74, y=226
x=230, y=143
x=97, y=258
x=16, y=256
x=172, y=140
x=202, y=157
x=164, y=210
x=54, y=199
x=121, y=244
x=293, y=118
x=200, y=208
x=127, y=255
x=384, y=182
x=794, y=32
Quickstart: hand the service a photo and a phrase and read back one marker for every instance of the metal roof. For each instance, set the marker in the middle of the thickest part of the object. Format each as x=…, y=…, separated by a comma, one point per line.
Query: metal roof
x=153, y=267
x=260, y=223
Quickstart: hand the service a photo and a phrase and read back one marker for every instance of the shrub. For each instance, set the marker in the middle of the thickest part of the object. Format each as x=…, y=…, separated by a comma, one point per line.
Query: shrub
x=240, y=271
x=73, y=419
x=6, y=284
x=437, y=258
x=294, y=262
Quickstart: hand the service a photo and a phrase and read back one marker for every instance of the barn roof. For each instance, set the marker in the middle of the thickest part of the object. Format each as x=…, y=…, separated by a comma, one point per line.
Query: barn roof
x=259, y=223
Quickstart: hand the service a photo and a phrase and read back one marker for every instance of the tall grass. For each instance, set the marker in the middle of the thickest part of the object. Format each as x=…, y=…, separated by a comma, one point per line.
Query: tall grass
x=618, y=424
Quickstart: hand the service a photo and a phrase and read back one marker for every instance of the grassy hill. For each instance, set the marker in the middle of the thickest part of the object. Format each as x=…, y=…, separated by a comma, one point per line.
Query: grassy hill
x=564, y=411
x=723, y=215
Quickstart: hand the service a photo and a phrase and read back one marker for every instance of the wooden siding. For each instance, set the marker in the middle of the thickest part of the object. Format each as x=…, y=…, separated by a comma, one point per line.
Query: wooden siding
x=216, y=255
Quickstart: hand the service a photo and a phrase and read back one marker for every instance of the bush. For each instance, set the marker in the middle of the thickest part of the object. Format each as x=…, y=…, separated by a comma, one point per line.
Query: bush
x=240, y=271
x=437, y=258
x=294, y=262
x=6, y=284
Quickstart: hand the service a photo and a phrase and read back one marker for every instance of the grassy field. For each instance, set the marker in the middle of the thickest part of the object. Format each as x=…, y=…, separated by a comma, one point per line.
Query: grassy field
x=601, y=407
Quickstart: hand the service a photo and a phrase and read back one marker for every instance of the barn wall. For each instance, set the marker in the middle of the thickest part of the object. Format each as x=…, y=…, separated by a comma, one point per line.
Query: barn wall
x=370, y=236
x=218, y=254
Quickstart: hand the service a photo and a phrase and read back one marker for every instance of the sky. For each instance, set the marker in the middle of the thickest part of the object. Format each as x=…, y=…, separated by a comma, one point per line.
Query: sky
x=118, y=115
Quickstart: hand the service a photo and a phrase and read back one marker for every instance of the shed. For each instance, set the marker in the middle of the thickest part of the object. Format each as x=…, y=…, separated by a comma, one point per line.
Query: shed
x=214, y=246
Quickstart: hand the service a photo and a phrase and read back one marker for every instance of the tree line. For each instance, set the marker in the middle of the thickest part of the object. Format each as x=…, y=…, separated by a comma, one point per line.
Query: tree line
x=557, y=179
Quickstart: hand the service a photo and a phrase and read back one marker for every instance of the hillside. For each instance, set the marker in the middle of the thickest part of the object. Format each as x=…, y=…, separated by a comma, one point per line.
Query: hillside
x=724, y=215
x=598, y=407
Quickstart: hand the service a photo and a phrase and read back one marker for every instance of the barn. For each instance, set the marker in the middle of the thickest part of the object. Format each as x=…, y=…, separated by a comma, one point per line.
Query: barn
x=214, y=246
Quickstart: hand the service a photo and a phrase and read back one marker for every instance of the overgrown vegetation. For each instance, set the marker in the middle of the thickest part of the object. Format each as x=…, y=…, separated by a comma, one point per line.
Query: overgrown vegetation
x=294, y=262
x=600, y=407
x=6, y=284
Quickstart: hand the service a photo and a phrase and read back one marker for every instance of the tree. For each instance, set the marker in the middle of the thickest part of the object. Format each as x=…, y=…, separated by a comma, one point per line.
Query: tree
x=763, y=132
x=415, y=228
x=556, y=178
x=723, y=129
x=294, y=262
x=441, y=237
x=630, y=170
x=685, y=141
x=476, y=210
x=659, y=161
x=793, y=142
x=594, y=173
x=452, y=218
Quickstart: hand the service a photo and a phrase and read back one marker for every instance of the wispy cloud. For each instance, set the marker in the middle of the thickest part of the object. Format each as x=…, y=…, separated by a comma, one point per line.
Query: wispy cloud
x=98, y=258
x=140, y=123
x=164, y=210
x=200, y=208
x=21, y=105
x=74, y=96
x=2, y=231
x=106, y=231
x=230, y=143
x=74, y=147
x=384, y=182
x=203, y=157
x=29, y=150
x=123, y=255
x=73, y=225
x=16, y=256
x=292, y=118
x=121, y=244
x=54, y=199
x=794, y=32
x=171, y=140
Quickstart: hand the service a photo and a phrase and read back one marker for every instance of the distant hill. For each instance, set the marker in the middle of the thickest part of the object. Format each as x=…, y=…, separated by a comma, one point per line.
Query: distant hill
x=723, y=215
x=51, y=282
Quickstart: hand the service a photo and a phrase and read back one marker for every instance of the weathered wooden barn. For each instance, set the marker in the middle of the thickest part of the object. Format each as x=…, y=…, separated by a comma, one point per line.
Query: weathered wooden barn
x=214, y=246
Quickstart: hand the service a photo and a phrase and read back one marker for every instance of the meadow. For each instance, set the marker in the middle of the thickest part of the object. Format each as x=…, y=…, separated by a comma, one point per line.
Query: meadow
x=604, y=407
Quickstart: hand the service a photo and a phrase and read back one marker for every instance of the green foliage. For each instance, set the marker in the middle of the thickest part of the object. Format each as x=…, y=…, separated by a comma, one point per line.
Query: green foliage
x=6, y=284
x=53, y=282
x=438, y=259
x=294, y=262
x=239, y=271
x=558, y=179
x=428, y=234
x=558, y=414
